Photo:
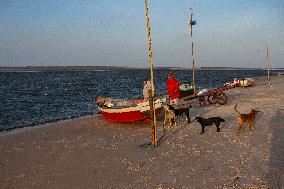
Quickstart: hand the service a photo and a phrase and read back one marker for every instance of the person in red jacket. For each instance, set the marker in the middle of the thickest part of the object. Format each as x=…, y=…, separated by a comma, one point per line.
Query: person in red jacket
x=173, y=87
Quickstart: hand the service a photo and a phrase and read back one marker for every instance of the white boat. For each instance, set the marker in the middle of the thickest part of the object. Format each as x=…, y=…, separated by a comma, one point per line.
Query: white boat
x=121, y=110
x=247, y=82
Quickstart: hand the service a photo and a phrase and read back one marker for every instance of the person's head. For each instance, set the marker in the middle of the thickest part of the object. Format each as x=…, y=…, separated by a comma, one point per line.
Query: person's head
x=171, y=75
x=146, y=80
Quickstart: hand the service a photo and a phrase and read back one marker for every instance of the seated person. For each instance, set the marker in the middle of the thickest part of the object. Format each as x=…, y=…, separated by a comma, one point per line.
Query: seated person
x=147, y=89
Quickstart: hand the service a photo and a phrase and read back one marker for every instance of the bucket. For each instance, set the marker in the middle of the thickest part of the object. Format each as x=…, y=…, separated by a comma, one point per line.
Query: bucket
x=186, y=89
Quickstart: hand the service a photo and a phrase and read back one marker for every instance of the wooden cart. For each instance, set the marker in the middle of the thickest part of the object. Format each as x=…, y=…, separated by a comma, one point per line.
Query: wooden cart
x=212, y=96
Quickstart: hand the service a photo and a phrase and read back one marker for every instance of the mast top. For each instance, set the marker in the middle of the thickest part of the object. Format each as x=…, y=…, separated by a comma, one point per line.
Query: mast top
x=191, y=22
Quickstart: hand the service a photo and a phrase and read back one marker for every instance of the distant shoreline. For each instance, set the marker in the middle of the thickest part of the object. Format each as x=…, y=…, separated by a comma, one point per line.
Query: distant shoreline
x=107, y=68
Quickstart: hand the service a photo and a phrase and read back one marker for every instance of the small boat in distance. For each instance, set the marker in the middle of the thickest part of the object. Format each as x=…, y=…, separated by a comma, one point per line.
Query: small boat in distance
x=234, y=83
x=122, y=110
x=247, y=82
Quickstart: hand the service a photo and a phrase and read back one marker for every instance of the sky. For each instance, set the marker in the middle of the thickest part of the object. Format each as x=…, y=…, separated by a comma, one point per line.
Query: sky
x=231, y=33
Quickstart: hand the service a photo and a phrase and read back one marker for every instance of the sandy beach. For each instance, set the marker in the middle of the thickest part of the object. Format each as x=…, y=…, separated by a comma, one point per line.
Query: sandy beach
x=90, y=152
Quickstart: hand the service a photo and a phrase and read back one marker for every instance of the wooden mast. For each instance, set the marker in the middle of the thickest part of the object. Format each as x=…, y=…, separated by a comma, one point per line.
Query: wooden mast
x=151, y=103
x=268, y=67
x=193, y=67
x=190, y=23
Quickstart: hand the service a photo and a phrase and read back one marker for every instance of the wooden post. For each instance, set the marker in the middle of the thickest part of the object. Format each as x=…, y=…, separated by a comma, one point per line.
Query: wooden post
x=151, y=102
x=268, y=67
x=190, y=22
x=193, y=69
x=152, y=117
x=192, y=50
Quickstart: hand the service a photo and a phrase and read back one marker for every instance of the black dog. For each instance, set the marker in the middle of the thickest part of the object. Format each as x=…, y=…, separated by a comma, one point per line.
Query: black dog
x=181, y=111
x=210, y=121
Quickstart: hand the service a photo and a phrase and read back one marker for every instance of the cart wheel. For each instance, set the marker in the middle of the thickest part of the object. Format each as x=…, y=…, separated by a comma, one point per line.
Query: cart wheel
x=222, y=98
x=213, y=98
x=201, y=101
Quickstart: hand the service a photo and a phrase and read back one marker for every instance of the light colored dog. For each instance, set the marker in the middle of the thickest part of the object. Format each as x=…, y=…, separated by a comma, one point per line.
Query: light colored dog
x=170, y=116
x=249, y=118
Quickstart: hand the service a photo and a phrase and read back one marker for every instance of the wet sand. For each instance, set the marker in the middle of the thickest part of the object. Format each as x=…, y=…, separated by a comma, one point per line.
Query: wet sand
x=90, y=152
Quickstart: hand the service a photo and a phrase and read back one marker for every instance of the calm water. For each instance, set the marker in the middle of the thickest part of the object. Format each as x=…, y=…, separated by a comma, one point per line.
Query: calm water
x=31, y=98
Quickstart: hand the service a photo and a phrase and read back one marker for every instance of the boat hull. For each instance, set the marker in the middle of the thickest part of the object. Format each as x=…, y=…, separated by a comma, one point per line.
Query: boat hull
x=118, y=115
x=123, y=116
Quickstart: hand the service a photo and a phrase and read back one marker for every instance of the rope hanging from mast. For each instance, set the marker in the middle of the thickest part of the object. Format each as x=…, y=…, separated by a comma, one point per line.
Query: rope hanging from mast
x=150, y=46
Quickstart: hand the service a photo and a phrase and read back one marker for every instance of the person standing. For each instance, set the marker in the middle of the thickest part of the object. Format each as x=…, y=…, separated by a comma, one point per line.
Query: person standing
x=173, y=87
x=147, y=89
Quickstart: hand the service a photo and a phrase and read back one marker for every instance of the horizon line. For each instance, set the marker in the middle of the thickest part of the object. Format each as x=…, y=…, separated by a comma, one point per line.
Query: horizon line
x=110, y=68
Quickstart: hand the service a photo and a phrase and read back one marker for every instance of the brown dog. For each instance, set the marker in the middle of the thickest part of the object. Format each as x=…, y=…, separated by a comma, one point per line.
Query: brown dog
x=170, y=116
x=249, y=118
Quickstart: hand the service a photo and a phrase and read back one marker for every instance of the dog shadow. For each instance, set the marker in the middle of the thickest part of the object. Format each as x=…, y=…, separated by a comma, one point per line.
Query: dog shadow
x=222, y=126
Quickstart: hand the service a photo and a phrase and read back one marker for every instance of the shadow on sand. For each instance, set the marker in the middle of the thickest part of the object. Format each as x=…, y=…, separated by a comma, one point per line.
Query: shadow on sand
x=275, y=175
x=167, y=135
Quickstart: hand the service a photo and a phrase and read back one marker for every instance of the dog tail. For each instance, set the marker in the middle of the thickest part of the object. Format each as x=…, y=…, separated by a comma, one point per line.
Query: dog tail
x=221, y=120
x=235, y=108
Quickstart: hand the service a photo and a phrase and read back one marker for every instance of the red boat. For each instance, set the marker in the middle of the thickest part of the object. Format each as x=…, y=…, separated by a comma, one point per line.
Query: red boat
x=233, y=84
x=121, y=110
